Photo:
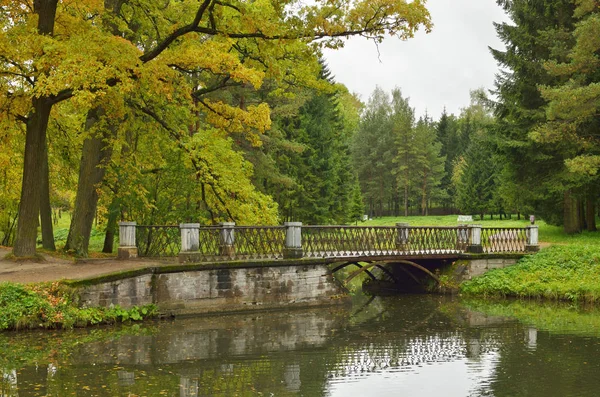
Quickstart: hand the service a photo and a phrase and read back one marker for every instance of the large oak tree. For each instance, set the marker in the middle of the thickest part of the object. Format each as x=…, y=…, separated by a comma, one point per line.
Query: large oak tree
x=52, y=51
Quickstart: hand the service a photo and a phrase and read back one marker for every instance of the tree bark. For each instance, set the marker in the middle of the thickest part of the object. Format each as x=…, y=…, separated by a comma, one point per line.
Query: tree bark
x=406, y=199
x=590, y=213
x=111, y=225
x=91, y=172
x=45, y=207
x=31, y=190
x=35, y=144
x=570, y=214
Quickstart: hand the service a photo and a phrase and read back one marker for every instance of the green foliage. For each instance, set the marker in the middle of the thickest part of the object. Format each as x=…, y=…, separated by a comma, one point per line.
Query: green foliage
x=397, y=159
x=476, y=190
x=373, y=152
x=546, y=107
x=559, y=273
x=54, y=305
x=451, y=148
x=321, y=185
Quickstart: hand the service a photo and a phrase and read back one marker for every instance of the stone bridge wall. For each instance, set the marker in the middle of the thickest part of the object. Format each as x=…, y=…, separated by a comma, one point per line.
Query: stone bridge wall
x=218, y=289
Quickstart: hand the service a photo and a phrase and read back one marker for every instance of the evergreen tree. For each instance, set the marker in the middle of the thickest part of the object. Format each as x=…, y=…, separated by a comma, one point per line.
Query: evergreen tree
x=572, y=112
x=429, y=163
x=447, y=134
x=322, y=180
x=539, y=32
x=373, y=150
x=477, y=188
x=405, y=161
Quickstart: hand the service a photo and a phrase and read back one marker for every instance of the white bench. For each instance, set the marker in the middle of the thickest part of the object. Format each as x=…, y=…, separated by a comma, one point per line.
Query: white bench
x=465, y=218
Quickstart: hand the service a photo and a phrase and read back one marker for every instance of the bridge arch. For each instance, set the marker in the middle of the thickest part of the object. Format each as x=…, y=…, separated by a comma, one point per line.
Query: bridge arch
x=366, y=268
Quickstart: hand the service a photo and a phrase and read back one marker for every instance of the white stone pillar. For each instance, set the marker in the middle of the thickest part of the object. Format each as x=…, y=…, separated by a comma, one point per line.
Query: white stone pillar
x=474, y=246
x=227, y=238
x=402, y=236
x=190, y=237
x=293, y=240
x=127, y=247
x=532, y=238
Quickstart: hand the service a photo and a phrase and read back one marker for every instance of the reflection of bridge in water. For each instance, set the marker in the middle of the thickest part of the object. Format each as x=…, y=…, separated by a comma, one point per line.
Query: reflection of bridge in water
x=303, y=351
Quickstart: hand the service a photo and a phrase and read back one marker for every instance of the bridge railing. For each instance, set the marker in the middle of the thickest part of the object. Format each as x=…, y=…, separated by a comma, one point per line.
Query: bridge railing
x=340, y=241
x=158, y=241
x=504, y=239
x=227, y=242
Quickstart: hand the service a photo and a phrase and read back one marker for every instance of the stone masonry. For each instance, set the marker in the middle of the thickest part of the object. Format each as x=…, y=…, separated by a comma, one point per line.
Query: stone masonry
x=218, y=289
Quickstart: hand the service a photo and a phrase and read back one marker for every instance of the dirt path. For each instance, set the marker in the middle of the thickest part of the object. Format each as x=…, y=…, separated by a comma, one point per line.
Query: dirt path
x=53, y=268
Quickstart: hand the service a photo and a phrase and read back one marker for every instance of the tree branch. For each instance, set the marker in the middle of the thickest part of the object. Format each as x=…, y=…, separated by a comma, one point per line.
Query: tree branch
x=156, y=51
x=194, y=160
x=222, y=84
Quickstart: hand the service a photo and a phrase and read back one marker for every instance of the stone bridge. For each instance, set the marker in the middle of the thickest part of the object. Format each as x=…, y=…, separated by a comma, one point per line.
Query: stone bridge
x=191, y=242
x=231, y=268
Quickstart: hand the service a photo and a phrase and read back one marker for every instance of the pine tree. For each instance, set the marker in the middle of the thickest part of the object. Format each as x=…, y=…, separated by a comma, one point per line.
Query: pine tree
x=447, y=134
x=429, y=164
x=539, y=32
x=405, y=161
x=373, y=151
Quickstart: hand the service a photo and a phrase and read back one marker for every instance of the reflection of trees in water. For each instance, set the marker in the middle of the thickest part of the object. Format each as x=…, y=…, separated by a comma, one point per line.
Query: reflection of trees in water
x=231, y=355
x=8, y=384
x=299, y=353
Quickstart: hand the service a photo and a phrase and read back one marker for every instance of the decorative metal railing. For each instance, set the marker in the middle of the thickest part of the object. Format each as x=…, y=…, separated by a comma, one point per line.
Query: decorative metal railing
x=343, y=241
x=503, y=239
x=158, y=241
x=229, y=242
x=240, y=243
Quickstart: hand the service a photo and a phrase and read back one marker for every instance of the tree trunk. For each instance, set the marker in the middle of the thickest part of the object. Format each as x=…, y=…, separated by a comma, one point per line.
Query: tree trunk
x=424, y=196
x=590, y=213
x=571, y=214
x=31, y=190
x=111, y=226
x=91, y=172
x=581, y=209
x=45, y=207
x=406, y=199
x=35, y=144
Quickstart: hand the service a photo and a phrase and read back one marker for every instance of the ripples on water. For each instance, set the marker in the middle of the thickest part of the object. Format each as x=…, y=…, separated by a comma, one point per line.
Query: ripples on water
x=397, y=346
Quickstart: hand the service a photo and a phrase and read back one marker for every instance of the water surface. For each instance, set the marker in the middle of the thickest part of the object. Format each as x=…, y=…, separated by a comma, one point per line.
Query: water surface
x=397, y=346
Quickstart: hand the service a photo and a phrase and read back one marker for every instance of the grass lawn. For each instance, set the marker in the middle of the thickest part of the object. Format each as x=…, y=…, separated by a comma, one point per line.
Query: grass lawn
x=61, y=231
x=548, y=233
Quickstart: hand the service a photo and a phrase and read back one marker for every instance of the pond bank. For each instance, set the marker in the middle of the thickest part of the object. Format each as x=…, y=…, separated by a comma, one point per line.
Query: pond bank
x=569, y=272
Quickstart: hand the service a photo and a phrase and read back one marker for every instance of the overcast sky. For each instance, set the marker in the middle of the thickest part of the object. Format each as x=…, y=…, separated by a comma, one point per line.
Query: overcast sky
x=436, y=69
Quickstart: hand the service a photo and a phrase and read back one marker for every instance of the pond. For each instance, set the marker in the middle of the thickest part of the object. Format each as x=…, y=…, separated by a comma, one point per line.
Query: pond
x=417, y=345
